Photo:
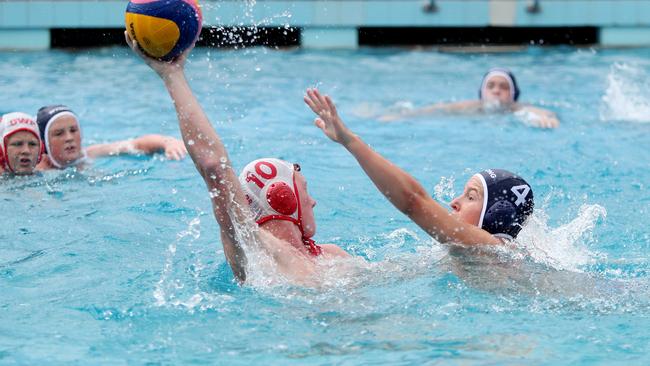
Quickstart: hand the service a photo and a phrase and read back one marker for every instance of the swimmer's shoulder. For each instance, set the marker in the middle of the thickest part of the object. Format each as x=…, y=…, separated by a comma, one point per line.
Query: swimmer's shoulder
x=334, y=251
x=44, y=164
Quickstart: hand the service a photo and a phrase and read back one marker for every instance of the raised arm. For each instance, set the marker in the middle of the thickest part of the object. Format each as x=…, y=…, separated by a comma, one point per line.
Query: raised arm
x=209, y=155
x=400, y=188
x=149, y=144
x=468, y=106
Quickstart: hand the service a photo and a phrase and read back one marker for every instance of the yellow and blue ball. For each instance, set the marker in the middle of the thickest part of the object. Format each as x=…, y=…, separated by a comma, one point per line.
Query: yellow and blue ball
x=164, y=28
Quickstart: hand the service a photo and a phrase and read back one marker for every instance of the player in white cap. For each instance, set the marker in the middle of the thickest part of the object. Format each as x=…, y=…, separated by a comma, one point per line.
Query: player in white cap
x=21, y=145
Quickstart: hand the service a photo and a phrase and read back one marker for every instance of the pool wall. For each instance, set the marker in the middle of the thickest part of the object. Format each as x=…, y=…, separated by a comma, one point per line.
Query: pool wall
x=336, y=23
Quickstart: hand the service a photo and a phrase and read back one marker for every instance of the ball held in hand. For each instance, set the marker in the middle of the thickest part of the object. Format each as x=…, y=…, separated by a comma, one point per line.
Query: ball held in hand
x=164, y=28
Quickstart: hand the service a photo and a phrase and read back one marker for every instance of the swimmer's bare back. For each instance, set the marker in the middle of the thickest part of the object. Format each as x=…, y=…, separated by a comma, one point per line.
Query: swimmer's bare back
x=297, y=266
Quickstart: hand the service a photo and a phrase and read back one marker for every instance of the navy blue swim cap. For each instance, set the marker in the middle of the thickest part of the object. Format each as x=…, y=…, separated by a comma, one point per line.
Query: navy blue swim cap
x=507, y=203
x=514, y=88
x=48, y=114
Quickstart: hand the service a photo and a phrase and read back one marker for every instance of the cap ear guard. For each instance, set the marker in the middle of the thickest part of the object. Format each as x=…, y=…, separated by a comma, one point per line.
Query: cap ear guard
x=281, y=198
x=500, y=218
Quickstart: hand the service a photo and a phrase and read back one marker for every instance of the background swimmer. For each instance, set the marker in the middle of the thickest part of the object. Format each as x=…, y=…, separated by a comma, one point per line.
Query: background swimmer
x=61, y=134
x=498, y=93
x=271, y=192
x=493, y=206
x=20, y=143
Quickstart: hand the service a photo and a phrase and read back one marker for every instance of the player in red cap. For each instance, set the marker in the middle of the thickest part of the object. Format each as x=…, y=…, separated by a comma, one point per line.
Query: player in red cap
x=20, y=143
x=269, y=191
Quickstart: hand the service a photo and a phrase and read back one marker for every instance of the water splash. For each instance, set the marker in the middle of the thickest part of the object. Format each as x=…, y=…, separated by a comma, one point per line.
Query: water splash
x=261, y=269
x=164, y=291
x=626, y=97
x=184, y=289
x=397, y=111
x=528, y=118
x=567, y=246
x=444, y=190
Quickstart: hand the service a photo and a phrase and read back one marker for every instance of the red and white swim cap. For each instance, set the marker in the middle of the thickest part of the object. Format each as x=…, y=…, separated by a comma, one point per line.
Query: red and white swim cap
x=12, y=123
x=270, y=190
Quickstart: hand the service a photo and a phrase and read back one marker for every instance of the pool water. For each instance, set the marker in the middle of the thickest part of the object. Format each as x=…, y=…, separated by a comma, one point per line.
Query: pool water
x=122, y=262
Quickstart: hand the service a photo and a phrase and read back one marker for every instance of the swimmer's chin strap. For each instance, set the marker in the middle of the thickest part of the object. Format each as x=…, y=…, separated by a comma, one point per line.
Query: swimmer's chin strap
x=309, y=243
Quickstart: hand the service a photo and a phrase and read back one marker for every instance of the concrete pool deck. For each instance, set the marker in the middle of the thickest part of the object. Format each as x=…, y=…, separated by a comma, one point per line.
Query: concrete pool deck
x=27, y=24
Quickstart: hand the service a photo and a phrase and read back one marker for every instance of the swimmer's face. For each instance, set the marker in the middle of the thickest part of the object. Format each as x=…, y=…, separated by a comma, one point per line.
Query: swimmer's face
x=23, y=149
x=64, y=140
x=468, y=206
x=307, y=204
x=497, y=89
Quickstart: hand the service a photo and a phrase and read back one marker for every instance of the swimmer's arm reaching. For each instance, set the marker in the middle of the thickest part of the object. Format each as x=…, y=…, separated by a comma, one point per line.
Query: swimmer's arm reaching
x=536, y=116
x=149, y=144
x=209, y=155
x=400, y=188
x=468, y=106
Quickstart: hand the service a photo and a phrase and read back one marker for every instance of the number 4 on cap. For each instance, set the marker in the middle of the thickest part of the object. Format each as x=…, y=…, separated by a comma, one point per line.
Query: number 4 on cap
x=521, y=192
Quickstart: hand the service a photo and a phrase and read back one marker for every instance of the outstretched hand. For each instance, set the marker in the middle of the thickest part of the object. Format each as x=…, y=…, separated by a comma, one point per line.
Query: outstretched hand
x=328, y=119
x=174, y=149
x=537, y=117
x=549, y=122
x=163, y=68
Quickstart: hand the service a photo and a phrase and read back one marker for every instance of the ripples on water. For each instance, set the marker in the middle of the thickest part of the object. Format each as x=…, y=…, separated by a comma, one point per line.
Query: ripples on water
x=122, y=261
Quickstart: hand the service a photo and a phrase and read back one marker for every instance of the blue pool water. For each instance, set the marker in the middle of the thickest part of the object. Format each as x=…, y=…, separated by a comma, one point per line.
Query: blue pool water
x=122, y=263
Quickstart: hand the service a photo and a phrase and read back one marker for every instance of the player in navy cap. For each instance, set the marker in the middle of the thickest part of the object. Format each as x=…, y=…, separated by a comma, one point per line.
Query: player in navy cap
x=498, y=93
x=507, y=202
x=61, y=134
x=491, y=210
